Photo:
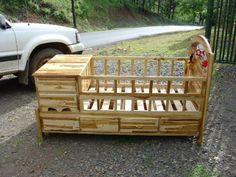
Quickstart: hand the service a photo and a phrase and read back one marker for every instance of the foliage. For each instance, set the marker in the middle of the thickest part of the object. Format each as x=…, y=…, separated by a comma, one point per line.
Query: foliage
x=192, y=11
x=200, y=171
x=181, y=10
x=100, y=10
x=12, y=5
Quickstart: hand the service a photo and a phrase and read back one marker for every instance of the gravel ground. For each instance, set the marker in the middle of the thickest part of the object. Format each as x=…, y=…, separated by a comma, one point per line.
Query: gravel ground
x=90, y=155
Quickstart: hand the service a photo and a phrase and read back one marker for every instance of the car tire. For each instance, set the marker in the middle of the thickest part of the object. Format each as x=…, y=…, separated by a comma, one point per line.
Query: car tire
x=40, y=58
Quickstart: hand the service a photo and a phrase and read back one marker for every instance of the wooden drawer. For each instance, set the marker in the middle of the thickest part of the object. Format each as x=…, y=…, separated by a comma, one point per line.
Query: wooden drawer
x=58, y=102
x=96, y=124
x=56, y=84
x=179, y=125
x=136, y=125
x=60, y=121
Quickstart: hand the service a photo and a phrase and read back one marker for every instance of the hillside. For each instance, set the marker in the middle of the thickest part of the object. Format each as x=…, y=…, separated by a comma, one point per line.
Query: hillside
x=91, y=15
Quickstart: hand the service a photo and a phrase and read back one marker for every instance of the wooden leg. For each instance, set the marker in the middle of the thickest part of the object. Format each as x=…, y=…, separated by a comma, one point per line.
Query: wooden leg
x=39, y=127
x=200, y=138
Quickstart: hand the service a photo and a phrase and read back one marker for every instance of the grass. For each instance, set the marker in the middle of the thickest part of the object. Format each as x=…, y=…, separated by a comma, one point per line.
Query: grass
x=200, y=171
x=231, y=110
x=174, y=44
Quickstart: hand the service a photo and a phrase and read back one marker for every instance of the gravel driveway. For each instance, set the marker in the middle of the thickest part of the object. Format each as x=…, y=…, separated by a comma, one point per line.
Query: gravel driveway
x=90, y=155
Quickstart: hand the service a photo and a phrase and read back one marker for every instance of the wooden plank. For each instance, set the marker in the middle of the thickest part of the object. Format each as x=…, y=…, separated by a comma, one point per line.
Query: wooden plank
x=128, y=105
x=190, y=106
x=128, y=134
x=177, y=104
x=119, y=108
x=92, y=89
x=94, y=124
x=159, y=105
x=142, y=96
x=178, y=125
x=118, y=70
x=132, y=67
x=145, y=66
x=140, y=105
x=140, y=58
x=62, y=125
x=86, y=104
x=168, y=105
x=142, y=113
x=94, y=105
x=39, y=125
x=52, y=85
x=70, y=58
x=62, y=65
x=147, y=78
x=105, y=105
x=115, y=91
x=133, y=91
x=135, y=125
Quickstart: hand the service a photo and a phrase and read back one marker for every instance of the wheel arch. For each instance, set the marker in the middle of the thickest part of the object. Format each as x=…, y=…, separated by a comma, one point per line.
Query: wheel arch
x=23, y=76
x=55, y=45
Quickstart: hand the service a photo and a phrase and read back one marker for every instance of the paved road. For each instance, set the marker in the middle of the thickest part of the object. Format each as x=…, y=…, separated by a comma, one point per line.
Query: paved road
x=94, y=39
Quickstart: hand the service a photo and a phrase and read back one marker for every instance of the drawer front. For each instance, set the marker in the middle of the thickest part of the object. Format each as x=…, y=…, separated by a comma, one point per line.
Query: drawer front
x=60, y=121
x=139, y=125
x=95, y=124
x=56, y=84
x=58, y=102
x=178, y=125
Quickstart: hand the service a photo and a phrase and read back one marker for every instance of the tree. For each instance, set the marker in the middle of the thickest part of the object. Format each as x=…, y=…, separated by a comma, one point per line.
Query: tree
x=194, y=9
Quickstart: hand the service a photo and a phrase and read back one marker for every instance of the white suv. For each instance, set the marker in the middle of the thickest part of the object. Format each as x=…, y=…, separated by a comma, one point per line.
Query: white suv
x=24, y=47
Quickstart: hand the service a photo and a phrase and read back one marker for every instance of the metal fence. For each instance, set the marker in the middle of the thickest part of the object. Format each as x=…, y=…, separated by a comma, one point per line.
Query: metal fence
x=221, y=29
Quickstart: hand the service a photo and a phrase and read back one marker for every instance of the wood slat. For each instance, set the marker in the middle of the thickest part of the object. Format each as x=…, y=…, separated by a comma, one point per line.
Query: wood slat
x=60, y=125
x=173, y=125
x=147, y=78
x=135, y=125
x=105, y=124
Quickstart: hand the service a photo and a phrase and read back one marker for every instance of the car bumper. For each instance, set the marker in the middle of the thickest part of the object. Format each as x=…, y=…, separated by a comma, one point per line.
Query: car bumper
x=76, y=48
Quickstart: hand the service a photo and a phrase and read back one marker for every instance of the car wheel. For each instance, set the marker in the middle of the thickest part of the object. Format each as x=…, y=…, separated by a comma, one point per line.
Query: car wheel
x=40, y=58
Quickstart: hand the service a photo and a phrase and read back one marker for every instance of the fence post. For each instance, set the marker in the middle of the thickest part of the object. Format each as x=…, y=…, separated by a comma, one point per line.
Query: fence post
x=210, y=7
x=73, y=13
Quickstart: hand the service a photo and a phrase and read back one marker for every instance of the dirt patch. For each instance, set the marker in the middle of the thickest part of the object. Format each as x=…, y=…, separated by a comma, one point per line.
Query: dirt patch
x=88, y=155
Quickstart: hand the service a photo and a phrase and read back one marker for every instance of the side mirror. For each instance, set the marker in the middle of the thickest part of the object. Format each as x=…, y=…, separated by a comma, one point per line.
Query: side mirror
x=3, y=24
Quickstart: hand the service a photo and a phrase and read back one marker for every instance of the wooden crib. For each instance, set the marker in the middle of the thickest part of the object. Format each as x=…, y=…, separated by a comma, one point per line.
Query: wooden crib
x=125, y=95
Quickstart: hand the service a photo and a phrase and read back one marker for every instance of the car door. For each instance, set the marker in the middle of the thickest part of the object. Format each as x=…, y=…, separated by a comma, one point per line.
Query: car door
x=9, y=58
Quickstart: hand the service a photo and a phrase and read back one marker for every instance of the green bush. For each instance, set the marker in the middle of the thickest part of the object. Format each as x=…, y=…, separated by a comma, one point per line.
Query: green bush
x=82, y=9
x=34, y=6
x=200, y=171
x=60, y=15
x=12, y=6
x=45, y=11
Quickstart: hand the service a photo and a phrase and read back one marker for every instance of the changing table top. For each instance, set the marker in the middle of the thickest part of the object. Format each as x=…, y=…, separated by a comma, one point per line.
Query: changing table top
x=64, y=65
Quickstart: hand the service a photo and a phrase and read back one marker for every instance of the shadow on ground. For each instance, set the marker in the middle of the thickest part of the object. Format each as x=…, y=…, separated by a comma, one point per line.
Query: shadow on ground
x=14, y=94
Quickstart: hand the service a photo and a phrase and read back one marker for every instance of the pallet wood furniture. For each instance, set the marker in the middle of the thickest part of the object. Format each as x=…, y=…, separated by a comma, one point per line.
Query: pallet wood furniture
x=125, y=95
